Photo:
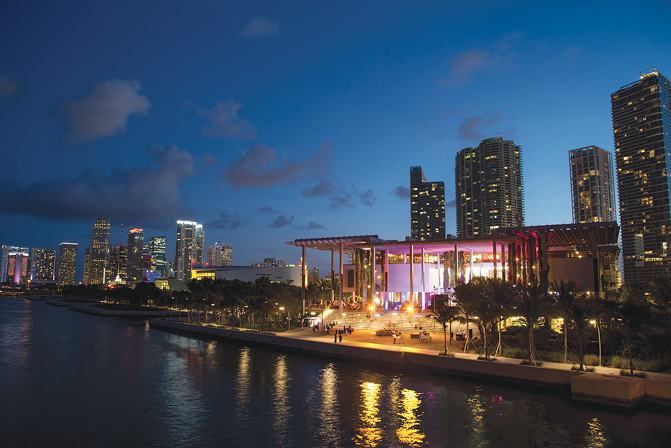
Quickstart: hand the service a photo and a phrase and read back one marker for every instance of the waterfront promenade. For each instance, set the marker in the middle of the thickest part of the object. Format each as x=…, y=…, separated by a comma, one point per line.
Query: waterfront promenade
x=602, y=385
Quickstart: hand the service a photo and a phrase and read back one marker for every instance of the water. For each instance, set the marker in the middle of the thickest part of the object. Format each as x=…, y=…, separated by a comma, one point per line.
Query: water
x=72, y=379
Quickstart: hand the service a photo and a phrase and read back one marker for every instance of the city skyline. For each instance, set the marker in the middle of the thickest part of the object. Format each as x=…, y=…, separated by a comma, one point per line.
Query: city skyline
x=269, y=122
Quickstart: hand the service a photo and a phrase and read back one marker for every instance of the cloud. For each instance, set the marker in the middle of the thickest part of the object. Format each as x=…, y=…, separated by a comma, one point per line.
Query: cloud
x=209, y=158
x=260, y=27
x=226, y=221
x=313, y=226
x=104, y=112
x=463, y=64
x=8, y=88
x=511, y=40
x=473, y=128
x=340, y=200
x=402, y=193
x=323, y=188
x=224, y=121
x=260, y=167
x=368, y=198
x=266, y=209
x=451, y=204
x=428, y=125
x=282, y=221
x=147, y=195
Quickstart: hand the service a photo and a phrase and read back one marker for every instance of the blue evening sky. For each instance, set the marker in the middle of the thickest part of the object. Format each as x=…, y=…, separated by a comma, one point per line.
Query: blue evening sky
x=269, y=121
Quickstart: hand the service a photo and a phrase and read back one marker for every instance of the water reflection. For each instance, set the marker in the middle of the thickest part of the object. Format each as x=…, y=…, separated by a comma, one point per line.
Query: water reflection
x=243, y=385
x=369, y=434
x=408, y=434
x=281, y=406
x=595, y=437
x=328, y=426
x=476, y=410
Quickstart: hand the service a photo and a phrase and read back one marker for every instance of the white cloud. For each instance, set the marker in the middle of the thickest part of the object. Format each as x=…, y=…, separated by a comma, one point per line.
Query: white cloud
x=260, y=27
x=224, y=121
x=104, y=112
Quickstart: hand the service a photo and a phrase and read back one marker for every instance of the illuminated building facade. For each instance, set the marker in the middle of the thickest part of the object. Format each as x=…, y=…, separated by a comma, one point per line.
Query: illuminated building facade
x=42, y=264
x=642, y=134
x=67, y=263
x=135, y=248
x=118, y=263
x=427, y=207
x=15, y=264
x=157, y=251
x=99, y=252
x=489, y=188
x=188, y=249
x=220, y=254
x=592, y=185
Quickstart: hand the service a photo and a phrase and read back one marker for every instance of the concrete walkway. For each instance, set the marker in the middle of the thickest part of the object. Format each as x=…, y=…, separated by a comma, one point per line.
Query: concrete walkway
x=367, y=338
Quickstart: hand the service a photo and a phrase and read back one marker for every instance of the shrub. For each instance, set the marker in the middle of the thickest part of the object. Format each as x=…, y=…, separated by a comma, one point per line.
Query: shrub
x=592, y=360
x=514, y=352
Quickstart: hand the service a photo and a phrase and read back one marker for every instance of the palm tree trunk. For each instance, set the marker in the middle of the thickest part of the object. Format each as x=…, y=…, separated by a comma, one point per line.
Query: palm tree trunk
x=631, y=358
x=565, y=340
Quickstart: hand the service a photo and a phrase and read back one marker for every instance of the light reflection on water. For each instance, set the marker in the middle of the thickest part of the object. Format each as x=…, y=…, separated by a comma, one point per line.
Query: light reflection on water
x=370, y=433
x=409, y=433
x=113, y=382
x=329, y=412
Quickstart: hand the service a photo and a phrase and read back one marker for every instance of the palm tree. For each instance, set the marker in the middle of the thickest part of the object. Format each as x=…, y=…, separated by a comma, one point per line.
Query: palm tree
x=444, y=314
x=564, y=295
x=501, y=293
x=632, y=312
x=532, y=301
x=467, y=294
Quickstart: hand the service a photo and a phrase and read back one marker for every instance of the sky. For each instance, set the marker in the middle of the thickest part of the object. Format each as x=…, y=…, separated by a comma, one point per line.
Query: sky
x=272, y=121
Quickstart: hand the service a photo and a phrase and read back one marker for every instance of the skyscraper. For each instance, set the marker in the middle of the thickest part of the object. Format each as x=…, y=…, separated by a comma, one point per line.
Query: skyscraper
x=118, y=263
x=220, y=254
x=67, y=263
x=99, y=252
x=135, y=248
x=15, y=264
x=642, y=134
x=157, y=251
x=427, y=207
x=42, y=264
x=489, y=188
x=592, y=185
x=189, y=248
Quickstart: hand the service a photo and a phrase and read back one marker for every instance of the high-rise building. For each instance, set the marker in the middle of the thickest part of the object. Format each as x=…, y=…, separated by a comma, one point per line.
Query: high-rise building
x=9, y=262
x=313, y=276
x=489, y=188
x=118, y=263
x=42, y=264
x=87, y=266
x=157, y=251
x=67, y=263
x=135, y=250
x=220, y=254
x=592, y=185
x=427, y=207
x=99, y=252
x=269, y=263
x=188, y=249
x=642, y=134
x=15, y=264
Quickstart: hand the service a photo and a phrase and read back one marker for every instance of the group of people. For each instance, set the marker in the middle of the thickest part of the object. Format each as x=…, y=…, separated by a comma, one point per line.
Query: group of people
x=338, y=333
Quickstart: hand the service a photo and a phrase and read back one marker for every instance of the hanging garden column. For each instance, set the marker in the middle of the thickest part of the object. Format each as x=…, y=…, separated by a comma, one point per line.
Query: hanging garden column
x=423, y=283
x=342, y=286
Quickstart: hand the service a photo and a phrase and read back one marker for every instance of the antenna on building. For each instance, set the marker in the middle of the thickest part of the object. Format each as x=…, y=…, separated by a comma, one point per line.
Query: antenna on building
x=121, y=235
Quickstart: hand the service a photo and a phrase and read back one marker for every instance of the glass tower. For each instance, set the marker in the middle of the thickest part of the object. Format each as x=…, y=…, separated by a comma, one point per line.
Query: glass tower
x=592, y=185
x=427, y=207
x=488, y=187
x=642, y=134
x=99, y=253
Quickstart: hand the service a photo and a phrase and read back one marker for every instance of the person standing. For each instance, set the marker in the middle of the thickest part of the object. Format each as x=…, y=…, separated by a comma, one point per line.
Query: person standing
x=335, y=337
x=340, y=337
